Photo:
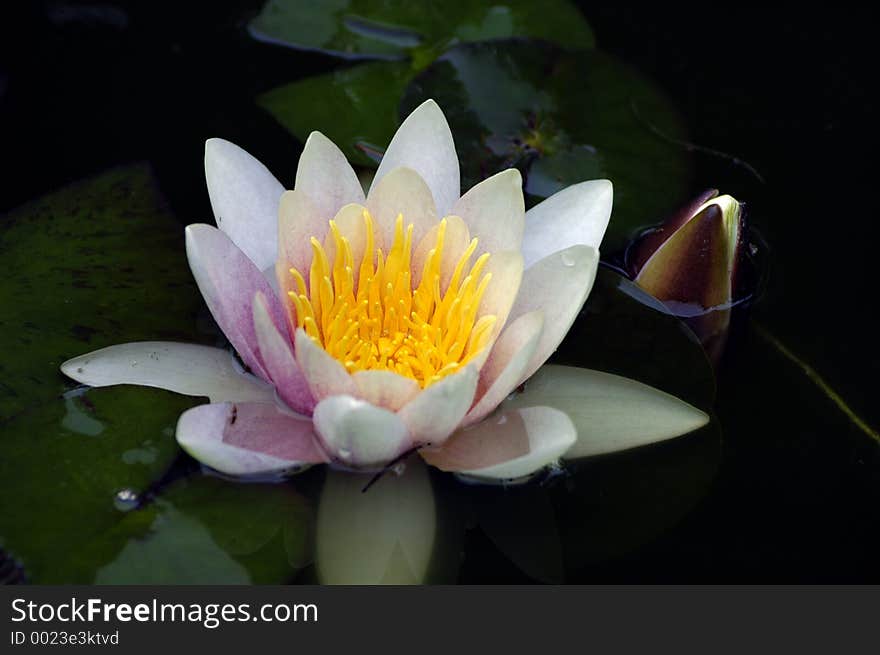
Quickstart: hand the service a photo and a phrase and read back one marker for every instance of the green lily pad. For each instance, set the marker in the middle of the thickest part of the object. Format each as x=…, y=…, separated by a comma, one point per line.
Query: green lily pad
x=99, y=262
x=355, y=107
x=67, y=464
x=560, y=118
x=209, y=531
x=390, y=29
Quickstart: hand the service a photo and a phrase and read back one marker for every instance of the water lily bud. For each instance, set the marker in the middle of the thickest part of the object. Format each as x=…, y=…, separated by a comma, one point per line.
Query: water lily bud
x=690, y=263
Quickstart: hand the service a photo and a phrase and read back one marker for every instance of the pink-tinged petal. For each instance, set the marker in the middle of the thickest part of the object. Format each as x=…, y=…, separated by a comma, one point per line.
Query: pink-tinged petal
x=558, y=285
x=326, y=177
x=435, y=413
x=507, y=446
x=402, y=191
x=384, y=536
x=356, y=434
x=325, y=375
x=248, y=438
x=277, y=355
x=456, y=239
x=424, y=143
x=229, y=281
x=578, y=214
x=385, y=388
x=298, y=221
x=185, y=368
x=611, y=413
x=506, y=364
x=506, y=268
x=244, y=196
x=494, y=211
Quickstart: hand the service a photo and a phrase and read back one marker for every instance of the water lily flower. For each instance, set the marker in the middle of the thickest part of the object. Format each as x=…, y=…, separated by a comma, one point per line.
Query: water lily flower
x=690, y=263
x=375, y=325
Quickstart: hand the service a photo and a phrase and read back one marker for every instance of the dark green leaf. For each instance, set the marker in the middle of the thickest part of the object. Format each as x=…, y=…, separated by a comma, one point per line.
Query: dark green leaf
x=97, y=263
x=209, y=531
x=62, y=469
x=397, y=28
x=355, y=107
x=560, y=118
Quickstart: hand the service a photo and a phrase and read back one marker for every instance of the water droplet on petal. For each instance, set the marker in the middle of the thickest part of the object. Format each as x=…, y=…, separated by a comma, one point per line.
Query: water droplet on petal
x=567, y=258
x=125, y=500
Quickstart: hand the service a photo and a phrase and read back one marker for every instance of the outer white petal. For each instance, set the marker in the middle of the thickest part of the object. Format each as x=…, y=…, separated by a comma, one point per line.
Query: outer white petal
x=244, y=196
x=507, y=446
x=247, y=438
x=433, y=415
x=383, y=536
x=424, y=143
x=326, y=177
x=185, y=368
x=558, y=285
x=506, y=364
x=357, y=434
x=494, y=211
x=610, y=412
x=578, y=214
x=228, y=281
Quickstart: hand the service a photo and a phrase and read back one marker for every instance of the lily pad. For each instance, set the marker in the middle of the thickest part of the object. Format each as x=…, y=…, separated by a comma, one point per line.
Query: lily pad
x=355, y=107
x=97, y=263
x=205, y=530
x=390, y=29
x=67, y=464
x=561, y=118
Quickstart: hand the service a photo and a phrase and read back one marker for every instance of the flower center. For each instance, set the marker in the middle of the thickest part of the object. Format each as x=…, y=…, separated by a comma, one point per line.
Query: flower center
x=369, y=317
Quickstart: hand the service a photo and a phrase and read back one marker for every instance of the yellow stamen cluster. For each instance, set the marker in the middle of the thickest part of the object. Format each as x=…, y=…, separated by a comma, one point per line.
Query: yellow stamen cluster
x=367, y=315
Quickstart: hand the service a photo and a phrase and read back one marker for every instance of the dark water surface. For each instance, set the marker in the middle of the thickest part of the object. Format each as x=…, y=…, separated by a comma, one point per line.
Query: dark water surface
x=781, y=99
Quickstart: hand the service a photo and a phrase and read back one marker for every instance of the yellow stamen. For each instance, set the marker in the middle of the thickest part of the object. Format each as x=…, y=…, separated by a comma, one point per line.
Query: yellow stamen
x=367, y=315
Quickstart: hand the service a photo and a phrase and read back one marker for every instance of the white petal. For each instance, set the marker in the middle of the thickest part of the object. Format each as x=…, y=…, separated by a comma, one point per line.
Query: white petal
x=436, y=412
x=277, y=353
x=228, y=281
x=558, y=285
x=610, y=412
x=507, y=446
x=325, y=375
x=326, y=177
x=244, y=196
x=506, y=364
x=385, y=388
x=494, y=212
x=247, y=438
x=382, y=536
x=402, y=191
x=357, y=434
x=506, y=268
x=578, y=214
x=185, y=368
x=424, y=143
